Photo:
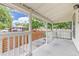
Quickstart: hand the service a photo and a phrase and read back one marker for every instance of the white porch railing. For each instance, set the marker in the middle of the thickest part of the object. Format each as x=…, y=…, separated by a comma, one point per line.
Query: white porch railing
x=21, y=48
x=60, y=33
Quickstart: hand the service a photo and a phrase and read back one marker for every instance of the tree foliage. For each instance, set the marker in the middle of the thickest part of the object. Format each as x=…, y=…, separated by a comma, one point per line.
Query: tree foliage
x=36, y=23
x=5, y=18
x=49, y=26
x=64, y=25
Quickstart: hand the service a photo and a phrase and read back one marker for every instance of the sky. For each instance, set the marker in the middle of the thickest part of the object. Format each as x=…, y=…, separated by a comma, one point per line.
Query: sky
x=19, y=17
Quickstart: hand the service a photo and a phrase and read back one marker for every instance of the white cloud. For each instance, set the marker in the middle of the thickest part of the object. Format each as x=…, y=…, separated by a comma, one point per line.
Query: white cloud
x=12, y=16
x=23, y=20
x=14, y=23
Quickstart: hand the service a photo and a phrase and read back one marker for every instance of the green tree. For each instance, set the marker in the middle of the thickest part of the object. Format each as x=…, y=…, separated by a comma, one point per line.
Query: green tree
x=36, y=23
x=64, y=25
x=5, y=18
x=49, y=26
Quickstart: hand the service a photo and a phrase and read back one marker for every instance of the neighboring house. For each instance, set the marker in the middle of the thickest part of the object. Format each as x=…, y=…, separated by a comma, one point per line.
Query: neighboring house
x=18, y=28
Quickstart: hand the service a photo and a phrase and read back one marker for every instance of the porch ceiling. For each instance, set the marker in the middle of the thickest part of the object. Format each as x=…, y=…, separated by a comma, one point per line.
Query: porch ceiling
x=56, y=12
x=53, y=12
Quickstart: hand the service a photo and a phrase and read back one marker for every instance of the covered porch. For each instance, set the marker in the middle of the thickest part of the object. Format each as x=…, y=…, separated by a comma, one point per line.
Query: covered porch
x=48, y=42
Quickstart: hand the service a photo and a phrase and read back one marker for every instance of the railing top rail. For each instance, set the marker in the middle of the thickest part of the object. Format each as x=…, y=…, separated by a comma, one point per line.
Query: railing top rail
x=13, y=33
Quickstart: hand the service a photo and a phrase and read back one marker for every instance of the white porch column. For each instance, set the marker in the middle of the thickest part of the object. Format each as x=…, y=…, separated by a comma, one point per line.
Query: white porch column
x=52, y=32
x=76, y=20
x=30, y=35
x=75, y=34
x=52, y=26
x=46, y=30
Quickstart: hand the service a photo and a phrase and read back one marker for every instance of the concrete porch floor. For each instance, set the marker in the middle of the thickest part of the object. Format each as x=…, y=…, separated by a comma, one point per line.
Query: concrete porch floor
x=58, y=47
